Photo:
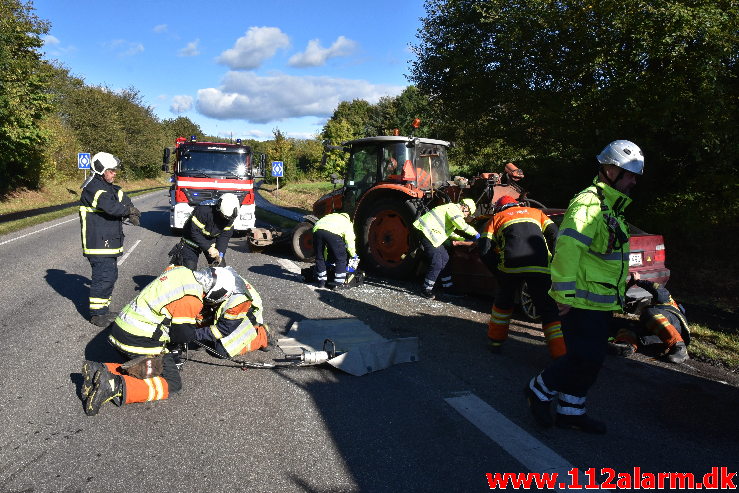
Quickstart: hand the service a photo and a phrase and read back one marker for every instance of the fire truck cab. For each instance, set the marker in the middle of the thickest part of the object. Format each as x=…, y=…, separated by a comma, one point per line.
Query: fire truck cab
x=203, y=171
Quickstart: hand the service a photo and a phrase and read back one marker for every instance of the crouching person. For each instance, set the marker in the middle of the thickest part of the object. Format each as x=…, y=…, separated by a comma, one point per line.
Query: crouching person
x=662, y=321
x=165, y=312
x=236, y=326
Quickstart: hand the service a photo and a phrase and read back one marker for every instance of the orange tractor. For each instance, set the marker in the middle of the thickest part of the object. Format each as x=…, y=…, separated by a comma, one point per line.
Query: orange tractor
x=389, y=182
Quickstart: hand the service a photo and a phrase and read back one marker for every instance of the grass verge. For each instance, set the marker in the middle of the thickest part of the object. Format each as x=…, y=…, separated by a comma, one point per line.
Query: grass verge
x=716, y=347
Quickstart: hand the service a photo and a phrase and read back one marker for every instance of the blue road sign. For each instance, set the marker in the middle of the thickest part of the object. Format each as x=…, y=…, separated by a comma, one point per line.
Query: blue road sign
x=277, y=169
x=83, y=160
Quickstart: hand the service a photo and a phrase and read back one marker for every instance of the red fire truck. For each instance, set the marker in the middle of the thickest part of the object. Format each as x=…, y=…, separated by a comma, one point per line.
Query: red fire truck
x=203, y=171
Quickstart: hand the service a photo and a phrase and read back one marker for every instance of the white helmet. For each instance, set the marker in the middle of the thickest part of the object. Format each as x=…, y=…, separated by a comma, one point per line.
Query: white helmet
x=624, y=154
x=219, y=283
x=102, y=161
x=228, y=205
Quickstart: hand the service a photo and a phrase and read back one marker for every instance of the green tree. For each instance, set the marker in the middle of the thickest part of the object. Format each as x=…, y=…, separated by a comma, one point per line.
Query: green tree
x=24, y=99
x=180, y=127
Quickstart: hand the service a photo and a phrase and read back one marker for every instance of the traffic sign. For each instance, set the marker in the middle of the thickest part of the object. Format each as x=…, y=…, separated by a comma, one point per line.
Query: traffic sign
x=83, y=160
x=277, y=169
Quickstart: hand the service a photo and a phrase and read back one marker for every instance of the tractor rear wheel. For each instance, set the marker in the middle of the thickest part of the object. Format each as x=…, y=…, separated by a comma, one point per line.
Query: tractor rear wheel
x=302, y=241
x=388, y=245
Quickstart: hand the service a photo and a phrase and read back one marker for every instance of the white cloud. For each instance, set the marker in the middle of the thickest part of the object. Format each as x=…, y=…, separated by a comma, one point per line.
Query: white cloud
x=50, y=40
x=180, y=104
x=191, y=49
x=124, y=48
x=256, y=46
x=244, y=95
x=315, y=56
x=160, y=28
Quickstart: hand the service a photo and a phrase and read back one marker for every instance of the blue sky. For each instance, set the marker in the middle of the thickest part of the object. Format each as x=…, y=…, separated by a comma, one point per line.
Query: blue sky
x=238, y=68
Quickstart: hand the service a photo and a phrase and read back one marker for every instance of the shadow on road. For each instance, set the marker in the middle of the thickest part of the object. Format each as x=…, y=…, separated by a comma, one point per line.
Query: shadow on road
x=68, y=285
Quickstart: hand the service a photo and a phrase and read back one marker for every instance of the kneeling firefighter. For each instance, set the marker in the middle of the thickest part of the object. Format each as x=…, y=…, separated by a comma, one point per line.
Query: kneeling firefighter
x=165, y=312
x=236, y=326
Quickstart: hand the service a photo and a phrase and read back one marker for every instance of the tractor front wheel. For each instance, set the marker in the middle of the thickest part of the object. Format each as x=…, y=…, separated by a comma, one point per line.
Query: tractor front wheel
x=302, y=241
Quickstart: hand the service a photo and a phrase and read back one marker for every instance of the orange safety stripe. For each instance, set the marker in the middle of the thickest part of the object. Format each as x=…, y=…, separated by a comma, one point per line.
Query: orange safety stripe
x=185, y=309
x=662, y=328
x=146, y=390
x=555, y=339
x=498, y=324
x=234, y=311
x=259, y=342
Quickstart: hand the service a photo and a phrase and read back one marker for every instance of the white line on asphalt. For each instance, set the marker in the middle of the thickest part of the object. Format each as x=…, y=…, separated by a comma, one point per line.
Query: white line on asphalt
x=124, y=257
x=38, y=231
x=292, y=267
x=523, y=447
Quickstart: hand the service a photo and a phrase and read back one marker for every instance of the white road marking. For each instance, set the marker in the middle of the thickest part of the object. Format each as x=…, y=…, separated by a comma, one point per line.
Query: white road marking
x=38, y=230
x=125, y=256
x=293, y=268
x=523, y=447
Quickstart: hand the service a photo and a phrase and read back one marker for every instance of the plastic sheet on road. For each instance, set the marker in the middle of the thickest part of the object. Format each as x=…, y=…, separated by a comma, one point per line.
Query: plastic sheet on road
x=360, y=349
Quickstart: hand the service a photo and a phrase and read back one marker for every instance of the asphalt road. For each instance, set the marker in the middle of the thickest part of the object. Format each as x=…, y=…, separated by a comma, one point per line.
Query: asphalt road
x=438, y=424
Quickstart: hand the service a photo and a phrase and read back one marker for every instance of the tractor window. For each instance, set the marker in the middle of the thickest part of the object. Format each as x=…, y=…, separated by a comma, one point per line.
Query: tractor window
x=432, y=166
x=363, y=168
x=393, y=157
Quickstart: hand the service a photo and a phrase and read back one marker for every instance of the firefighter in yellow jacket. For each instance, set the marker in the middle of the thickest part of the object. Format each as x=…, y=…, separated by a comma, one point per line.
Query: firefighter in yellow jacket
x=237, y=325
x=436, y=227
x=516, y=245
x=589, y=273
x=334, y=235
x=165, y=312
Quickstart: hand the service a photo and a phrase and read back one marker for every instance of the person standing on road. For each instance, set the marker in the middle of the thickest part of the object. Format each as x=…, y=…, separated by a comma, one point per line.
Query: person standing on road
x=335, y=233
x=663, y=321
x=103, y=206
x=589, y=273
x=164, y=313
x=436, y=227
x=516, y=245
x=208, y=230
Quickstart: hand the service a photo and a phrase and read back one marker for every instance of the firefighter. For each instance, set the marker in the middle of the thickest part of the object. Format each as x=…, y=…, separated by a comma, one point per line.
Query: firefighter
x=165, y=312
x=516, y=244
x=334, y=240
x=437, y=227
x=236, y=326
x=207, y=230
x=589, y=273
x=664, y=320
x=103, y=206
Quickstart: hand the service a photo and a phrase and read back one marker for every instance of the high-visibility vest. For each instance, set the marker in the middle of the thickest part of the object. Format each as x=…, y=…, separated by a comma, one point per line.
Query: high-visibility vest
x=591, y=260
x=144, y=317
x=439, y=223
x=339, y=224
x=518, y=234
x=235, y=341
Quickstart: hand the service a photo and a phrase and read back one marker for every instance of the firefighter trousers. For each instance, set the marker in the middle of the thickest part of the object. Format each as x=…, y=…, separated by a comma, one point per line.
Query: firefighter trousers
x=102, y=282
x=336, y=253
x=438, y=260
x=586, y=336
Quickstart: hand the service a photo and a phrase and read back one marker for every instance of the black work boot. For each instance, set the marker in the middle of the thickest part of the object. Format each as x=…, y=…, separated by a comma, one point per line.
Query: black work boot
x=581, y=422
x=106, y=387
x=541, y=410
x=678, y=353
x=428, y=293
x=89, y=368
x=102, y=320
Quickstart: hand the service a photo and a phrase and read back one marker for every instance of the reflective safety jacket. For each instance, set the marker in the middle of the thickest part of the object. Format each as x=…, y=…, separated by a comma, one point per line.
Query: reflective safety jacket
x=233, y=321
x=102, y=208
x=441, y=222
x=591, y=259
x=522, y=239
x=206, y=227
x=164, y=311
x=339, y=224
x=663, y=313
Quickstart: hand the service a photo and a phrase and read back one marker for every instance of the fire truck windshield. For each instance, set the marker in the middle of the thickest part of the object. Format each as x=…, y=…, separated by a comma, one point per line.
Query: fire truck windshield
x=210, y=163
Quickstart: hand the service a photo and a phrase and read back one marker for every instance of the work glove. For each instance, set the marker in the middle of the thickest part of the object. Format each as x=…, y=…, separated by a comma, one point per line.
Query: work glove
x=213, y=253
x=134, y=215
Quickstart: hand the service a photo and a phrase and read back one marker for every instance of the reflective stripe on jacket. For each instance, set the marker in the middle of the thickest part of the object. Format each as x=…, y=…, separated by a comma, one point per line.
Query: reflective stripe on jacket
x=102, y=207
x=339, y=224
x=591, y=259
x=144, y=321
x=207, y=227
x=233, y=328
x=524, y=238
x=440, y=223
